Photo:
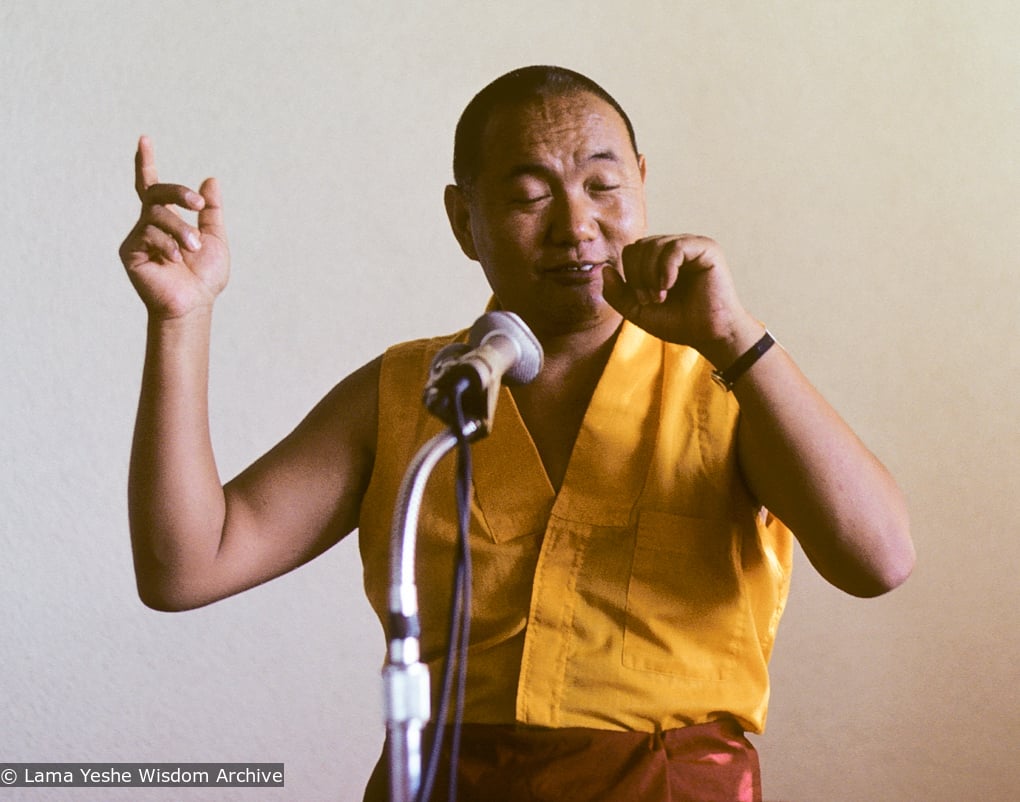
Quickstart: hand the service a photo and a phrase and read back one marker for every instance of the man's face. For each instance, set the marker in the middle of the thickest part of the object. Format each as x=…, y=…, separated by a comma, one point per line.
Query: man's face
x=559, y=195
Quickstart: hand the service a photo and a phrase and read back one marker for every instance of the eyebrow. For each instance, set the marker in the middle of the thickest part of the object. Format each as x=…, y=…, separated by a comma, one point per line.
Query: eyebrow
x=535, y=168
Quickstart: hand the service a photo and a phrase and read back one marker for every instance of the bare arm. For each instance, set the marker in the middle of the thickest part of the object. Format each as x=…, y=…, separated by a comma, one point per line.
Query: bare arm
x=810, y=469
x=195, y=541
x=800, y=459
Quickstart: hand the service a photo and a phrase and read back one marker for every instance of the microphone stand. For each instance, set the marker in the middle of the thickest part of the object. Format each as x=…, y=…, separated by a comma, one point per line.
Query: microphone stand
x=406, y=686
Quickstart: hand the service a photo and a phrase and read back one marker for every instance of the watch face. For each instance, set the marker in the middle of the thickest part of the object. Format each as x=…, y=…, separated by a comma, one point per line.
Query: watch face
x=719, y=379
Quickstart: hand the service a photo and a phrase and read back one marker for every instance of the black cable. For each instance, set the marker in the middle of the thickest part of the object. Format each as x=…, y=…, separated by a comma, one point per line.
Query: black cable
x=464, y=473
x=460, y=617
x=446, y=690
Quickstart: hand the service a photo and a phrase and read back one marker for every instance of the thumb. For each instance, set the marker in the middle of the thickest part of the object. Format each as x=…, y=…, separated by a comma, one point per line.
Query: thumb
x=210, y=217
x=618, y=294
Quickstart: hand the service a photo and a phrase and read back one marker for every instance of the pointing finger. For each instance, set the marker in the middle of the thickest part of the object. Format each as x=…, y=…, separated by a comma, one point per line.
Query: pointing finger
x=145, y=167
x=147, y=185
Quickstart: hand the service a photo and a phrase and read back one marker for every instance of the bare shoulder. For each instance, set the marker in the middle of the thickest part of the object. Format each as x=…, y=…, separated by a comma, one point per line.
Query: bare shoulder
x=348, y=416
x=328, y=457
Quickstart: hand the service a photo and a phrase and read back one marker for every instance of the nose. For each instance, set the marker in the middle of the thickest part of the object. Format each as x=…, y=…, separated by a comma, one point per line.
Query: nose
x=573, y=219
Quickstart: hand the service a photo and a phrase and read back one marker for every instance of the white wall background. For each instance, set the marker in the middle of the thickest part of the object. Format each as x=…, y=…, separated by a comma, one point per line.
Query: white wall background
x=859, y=161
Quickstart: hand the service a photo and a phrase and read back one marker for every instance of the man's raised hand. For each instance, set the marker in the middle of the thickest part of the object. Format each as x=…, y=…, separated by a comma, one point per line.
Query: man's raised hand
x=175, y=267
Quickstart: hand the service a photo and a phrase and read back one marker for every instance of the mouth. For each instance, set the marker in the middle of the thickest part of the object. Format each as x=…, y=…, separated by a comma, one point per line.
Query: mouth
x=576, y=270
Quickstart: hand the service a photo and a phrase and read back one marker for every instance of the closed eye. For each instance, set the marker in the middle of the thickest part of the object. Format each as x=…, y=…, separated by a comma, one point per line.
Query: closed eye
x=531, y=199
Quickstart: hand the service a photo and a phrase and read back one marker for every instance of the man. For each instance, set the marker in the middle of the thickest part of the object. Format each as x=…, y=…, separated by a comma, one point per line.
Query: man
x=630, y=564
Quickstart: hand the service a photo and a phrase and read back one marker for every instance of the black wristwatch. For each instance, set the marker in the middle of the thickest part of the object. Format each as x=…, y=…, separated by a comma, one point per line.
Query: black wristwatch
x=727, y=378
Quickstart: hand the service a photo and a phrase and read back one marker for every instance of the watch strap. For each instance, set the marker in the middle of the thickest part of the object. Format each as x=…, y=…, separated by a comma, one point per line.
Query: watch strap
x=727, y=378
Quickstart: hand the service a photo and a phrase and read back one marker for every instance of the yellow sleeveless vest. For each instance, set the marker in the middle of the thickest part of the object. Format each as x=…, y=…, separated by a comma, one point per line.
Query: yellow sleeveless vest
x=644, y=596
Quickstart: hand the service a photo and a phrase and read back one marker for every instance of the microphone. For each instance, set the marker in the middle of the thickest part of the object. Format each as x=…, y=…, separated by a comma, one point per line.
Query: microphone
x=501, y=349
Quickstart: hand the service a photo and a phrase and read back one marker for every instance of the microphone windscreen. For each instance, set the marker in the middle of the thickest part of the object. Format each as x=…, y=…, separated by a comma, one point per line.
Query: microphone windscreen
x=509, y=325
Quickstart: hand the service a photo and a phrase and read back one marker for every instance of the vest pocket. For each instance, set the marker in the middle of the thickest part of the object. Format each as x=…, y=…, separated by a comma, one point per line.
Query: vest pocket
x=687, y=614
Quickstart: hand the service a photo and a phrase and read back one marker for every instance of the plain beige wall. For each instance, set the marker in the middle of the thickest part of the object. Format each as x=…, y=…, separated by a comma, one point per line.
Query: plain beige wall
x=857, y=160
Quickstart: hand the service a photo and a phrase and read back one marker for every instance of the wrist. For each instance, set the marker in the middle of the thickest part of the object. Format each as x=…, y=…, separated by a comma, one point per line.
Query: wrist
x=728, y=377
x=170, y=322
x=180, y=336
x=726, y=349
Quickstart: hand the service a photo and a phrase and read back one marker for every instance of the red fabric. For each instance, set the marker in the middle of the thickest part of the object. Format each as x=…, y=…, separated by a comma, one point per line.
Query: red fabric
x=704, y=763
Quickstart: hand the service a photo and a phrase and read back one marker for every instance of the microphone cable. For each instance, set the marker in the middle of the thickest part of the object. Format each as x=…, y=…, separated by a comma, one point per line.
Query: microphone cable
x=460, y=615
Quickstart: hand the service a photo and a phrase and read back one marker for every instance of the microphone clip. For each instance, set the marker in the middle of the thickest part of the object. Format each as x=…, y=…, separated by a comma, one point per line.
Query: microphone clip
x=500, y=349
x=450, y=376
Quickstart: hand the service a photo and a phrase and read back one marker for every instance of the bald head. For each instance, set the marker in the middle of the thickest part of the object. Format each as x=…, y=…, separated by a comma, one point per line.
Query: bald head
x=512, y=89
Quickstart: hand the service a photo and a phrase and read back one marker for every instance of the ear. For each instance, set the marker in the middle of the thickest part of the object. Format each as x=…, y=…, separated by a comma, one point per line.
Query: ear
x=643, y=172
x=458, y=210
